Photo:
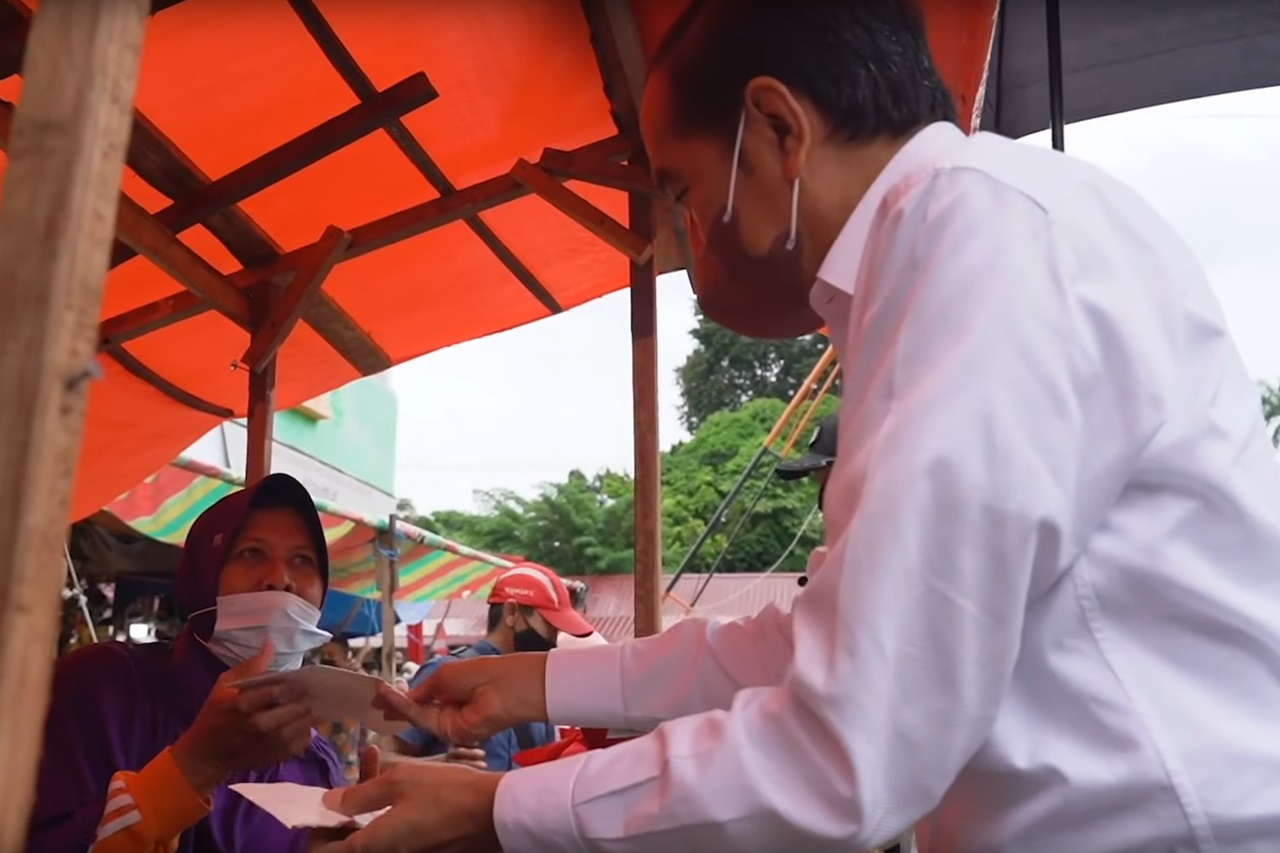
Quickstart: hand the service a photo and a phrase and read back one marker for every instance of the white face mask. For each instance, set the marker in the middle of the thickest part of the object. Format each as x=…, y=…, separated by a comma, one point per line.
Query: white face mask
x=247, y=620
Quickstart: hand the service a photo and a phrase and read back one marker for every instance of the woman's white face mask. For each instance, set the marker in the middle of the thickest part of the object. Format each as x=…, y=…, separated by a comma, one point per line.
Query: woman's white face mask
x=246, y=621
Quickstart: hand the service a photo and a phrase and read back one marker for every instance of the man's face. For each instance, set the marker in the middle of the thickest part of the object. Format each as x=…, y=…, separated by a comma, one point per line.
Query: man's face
x=532, y=620
x=695, y=170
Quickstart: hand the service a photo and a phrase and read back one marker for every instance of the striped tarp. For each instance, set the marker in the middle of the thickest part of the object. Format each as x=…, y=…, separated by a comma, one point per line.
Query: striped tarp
x=430, y=568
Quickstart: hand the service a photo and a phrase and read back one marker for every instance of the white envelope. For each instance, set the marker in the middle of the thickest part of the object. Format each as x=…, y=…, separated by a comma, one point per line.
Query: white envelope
x=299, y=806
x=336, y=694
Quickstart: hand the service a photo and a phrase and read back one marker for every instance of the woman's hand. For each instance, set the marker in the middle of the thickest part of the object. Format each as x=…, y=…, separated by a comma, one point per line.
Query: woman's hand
x=471, y=700
x=243, y=728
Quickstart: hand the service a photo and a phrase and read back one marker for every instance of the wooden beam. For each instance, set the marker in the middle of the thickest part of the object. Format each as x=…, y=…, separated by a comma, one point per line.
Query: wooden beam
x=16, y=19
x=262, y=406
x=369, y=237
x=287, y=309
x=616, y=176
x=354, y=76
x=66, y=158
x=159, y=162
x=636, y=247
x=620, y=58
x=648, y=457
x=293, y=156
x=141, y=232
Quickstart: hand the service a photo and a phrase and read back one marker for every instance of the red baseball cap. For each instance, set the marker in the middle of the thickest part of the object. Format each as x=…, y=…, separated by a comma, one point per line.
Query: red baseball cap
x=535, y=586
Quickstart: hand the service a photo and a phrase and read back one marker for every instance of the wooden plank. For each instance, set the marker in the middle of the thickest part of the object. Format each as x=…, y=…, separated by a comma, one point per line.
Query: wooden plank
x=369, y=237
x=262, y=406
x=648, y=456
x=141, y=232
x=636, y=247
x=354, y=76
x=66, y=158
x=287, y=309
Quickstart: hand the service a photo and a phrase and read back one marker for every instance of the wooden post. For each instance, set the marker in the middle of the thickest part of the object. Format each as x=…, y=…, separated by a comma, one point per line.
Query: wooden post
x=644, y=396
x=388, y=582
x=61, y=190
x=262, y=398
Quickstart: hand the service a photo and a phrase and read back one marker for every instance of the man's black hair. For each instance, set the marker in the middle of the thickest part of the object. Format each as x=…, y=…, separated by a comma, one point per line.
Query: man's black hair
x=864, y=64
x=495, y=616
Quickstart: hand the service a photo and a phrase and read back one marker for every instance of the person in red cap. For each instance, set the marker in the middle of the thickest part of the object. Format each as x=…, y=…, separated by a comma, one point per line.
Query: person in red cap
x=529, y=608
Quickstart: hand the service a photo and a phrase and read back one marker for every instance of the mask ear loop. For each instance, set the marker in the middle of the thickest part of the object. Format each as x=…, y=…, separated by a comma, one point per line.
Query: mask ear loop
x=795, y=213
x=733, y=174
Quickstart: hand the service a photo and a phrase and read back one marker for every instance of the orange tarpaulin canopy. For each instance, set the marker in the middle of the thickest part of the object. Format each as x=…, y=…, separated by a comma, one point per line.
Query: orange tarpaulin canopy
x=226, y=81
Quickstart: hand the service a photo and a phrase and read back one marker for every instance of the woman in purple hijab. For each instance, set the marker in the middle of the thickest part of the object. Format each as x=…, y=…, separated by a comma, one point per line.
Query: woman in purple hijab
x=142, y=742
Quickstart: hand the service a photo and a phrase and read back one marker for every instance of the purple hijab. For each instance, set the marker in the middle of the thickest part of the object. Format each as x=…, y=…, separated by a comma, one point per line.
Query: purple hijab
x=116, y=706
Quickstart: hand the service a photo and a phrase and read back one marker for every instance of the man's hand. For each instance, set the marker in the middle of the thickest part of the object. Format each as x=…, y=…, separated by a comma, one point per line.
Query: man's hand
x=435, y=808
x=471, y=700
x=242, y=729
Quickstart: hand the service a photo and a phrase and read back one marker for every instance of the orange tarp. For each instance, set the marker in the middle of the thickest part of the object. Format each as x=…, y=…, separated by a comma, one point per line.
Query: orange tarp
x=228, y=80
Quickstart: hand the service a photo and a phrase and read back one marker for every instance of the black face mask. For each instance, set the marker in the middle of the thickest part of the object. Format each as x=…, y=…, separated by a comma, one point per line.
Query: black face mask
x=529, y=640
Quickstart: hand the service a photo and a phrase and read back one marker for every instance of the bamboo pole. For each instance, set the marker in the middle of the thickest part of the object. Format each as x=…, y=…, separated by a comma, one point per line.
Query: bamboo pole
x=61, y=191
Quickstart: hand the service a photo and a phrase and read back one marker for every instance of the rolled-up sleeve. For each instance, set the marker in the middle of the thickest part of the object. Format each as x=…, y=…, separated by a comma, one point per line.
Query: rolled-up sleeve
x=977, y=429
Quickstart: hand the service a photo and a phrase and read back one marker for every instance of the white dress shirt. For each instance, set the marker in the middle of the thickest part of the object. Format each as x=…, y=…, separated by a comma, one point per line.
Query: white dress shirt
x=1049, y=618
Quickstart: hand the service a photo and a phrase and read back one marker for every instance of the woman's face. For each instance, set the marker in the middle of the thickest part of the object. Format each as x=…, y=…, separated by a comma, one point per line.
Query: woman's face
x=273, y=552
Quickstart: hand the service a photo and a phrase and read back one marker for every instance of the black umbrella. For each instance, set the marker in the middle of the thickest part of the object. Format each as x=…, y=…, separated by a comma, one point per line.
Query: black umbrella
x=1058, y=61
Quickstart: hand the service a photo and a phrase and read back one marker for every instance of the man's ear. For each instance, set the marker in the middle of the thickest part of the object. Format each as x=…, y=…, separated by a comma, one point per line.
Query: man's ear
x=775, y=105
x=509, y=611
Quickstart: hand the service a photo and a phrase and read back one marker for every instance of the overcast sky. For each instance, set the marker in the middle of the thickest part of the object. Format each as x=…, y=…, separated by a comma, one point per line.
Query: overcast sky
x=526, y=406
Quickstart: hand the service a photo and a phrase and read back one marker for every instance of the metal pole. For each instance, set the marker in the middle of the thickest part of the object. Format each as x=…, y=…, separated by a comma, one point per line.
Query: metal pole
x=1057, y=113
x=388, y=554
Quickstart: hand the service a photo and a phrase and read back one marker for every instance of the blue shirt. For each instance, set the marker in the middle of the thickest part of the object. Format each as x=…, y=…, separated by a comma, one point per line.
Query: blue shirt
x=499, y=749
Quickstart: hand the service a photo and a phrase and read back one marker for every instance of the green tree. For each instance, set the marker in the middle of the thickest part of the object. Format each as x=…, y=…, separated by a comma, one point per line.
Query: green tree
x=725, y=370
x=697, y=475
x=1271, y=410
x=584, y=525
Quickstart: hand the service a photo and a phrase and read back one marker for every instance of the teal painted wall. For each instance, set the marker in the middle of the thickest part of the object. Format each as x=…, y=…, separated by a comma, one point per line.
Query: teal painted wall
x=359, y=437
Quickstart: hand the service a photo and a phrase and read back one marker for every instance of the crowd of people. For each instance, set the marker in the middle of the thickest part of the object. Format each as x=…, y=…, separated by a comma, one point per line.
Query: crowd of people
x=1046, y=618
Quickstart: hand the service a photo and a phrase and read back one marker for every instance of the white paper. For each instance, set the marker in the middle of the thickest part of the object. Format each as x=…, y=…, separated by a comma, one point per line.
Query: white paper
x=337, y=694
x=299, y=806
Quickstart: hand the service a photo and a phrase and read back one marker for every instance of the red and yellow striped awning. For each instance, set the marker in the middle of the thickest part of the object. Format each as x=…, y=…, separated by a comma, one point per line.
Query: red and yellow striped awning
x=430, y=568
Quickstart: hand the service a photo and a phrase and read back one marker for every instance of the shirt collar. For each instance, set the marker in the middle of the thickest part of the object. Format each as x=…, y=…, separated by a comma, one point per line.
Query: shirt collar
x=926, y=149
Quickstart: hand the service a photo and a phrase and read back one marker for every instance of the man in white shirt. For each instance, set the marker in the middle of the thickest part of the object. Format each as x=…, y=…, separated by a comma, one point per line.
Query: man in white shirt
x=1049, y=619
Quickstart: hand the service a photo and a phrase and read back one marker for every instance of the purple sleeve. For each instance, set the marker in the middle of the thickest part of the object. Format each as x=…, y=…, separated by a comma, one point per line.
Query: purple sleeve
x=240, y=827
x=88, y=736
